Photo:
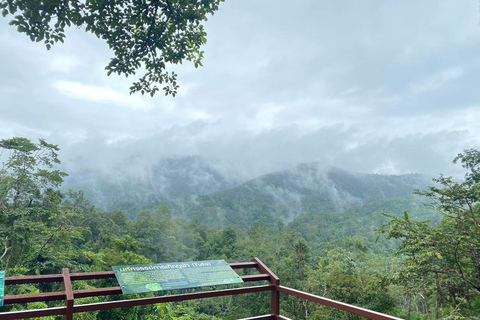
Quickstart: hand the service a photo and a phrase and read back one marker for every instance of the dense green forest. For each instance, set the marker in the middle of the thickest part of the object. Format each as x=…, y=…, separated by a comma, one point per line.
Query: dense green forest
x=391, y=254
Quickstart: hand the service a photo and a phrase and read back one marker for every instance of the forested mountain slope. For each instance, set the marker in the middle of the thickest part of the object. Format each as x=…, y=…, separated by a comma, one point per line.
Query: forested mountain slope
x=322, y=230
x=282, y=196
x=193, y=189
x=170, y=178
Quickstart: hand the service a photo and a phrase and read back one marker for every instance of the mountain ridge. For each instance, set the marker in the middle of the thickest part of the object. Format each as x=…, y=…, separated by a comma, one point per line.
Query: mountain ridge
x=192, y=188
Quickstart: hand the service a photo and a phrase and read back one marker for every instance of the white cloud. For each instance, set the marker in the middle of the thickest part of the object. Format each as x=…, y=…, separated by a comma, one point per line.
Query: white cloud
x=87, y=92
x=437, y=80
x=196, y=115
x=64, y=63
x=329, y=83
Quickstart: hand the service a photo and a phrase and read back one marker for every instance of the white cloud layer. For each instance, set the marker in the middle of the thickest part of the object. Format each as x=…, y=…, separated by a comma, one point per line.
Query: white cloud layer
x=91, y=93
x=369, y=86
x=437, y=80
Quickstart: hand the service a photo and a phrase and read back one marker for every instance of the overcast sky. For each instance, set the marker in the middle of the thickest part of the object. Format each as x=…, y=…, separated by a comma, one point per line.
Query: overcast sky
x=372, y=86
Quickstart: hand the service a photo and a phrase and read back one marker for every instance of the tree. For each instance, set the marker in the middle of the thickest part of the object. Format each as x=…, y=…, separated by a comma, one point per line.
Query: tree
x=141, y=33
x=444, y=259
x=31, y=217
x=25, y=176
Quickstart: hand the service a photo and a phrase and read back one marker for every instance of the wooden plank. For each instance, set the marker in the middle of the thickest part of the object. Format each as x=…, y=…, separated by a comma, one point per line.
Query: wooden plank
x=265, y=270
x=28, y=314
x=243, y=265
x=47, y=278
x=97, y=292
x=255, y=277
x=92, y=275
x=37, y=297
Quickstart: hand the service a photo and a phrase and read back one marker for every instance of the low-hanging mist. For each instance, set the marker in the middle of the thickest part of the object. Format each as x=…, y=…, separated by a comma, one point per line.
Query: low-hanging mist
x=194, y=189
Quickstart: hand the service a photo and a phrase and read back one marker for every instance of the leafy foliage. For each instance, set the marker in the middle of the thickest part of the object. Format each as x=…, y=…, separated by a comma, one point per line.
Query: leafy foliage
x=444, y=259
x=142, y=34
x=331, y=254
x=31, y=218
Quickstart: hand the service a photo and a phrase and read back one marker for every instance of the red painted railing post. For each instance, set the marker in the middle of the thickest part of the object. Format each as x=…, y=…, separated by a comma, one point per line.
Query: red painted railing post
x=69, y=298
x=275, y=296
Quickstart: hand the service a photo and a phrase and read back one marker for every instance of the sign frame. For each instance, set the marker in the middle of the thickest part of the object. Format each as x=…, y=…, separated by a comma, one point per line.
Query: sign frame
x=176, y=275
x=2, y=287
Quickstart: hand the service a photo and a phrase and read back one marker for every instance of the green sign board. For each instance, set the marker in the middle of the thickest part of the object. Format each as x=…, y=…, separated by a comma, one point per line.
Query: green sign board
x=2, y=287
x=177, y=275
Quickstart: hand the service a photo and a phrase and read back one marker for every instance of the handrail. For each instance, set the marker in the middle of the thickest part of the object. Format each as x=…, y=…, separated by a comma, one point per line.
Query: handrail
x=87, y=293
x=336, y=304
x=69, y=295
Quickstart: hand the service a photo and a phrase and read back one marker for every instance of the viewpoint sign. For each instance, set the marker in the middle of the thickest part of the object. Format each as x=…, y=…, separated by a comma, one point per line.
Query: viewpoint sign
x=177, y=275
x=2, y=287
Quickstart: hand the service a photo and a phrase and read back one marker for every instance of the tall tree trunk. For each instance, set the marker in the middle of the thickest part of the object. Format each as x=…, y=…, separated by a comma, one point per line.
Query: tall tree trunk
x=409, y=305
x=293, y=307
x=8, y=259
x=437, y=302
x=425, y=301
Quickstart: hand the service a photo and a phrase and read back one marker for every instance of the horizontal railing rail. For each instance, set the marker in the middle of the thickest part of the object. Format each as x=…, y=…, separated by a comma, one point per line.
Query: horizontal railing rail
x=336, y=305
x=87, y=293
x=69, y=295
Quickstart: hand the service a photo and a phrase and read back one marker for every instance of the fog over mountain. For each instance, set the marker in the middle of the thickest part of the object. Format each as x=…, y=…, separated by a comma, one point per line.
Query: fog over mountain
x=244, y=155
x=194, y=189
x=168, y=179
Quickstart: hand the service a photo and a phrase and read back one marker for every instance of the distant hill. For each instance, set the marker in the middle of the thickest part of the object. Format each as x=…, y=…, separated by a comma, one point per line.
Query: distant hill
x=171, y=178
x=323, y=229
x=307, y=188
x=193, y=189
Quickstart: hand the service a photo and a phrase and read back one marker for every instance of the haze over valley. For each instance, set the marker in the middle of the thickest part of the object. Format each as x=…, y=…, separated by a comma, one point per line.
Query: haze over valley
x=193, y=188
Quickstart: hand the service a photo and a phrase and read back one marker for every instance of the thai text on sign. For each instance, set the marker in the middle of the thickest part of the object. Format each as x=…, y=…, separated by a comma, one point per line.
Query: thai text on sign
x=177, y=275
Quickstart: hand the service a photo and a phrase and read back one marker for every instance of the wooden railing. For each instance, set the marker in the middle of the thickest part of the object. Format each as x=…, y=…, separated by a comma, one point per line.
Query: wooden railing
x=69, y=295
